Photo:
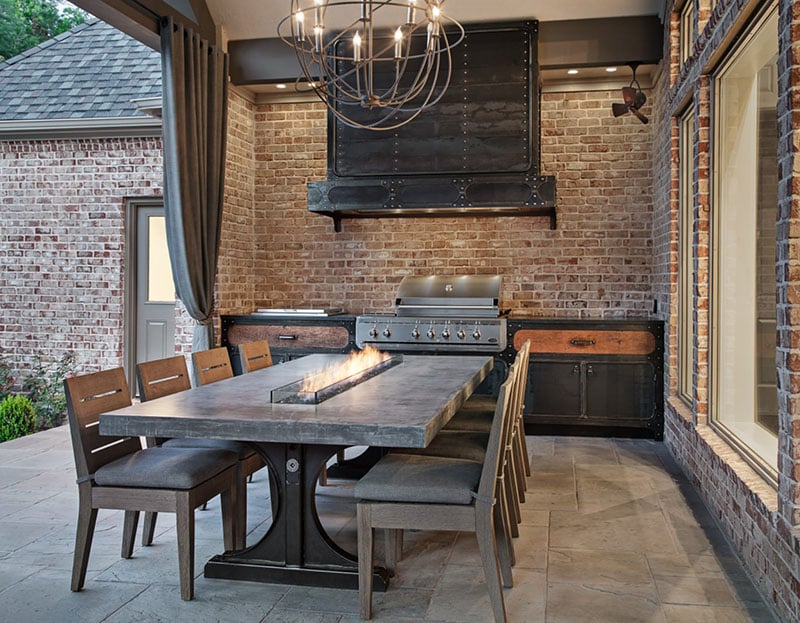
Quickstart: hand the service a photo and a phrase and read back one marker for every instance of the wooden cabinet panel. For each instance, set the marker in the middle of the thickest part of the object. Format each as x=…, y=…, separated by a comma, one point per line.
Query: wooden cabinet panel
x=306, y=337
x=587, y=341
x=589, y=376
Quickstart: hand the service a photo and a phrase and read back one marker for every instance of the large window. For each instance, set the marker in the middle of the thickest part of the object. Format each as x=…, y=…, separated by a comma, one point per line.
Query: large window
x=686, y=257
x=746, y=199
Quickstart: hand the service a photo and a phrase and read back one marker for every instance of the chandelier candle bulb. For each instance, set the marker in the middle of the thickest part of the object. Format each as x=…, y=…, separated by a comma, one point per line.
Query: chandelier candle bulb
x=398, y=43
x=356, y=47
x=412, y=12
x=299, y=21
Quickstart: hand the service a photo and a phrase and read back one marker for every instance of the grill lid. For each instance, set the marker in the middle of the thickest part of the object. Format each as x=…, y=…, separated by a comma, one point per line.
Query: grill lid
x=463, y=295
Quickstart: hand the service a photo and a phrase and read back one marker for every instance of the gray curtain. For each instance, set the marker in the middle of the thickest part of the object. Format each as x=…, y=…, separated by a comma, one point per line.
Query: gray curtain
x=195, y=106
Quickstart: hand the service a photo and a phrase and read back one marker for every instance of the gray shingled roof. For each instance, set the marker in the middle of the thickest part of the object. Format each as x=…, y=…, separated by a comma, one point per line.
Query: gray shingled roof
x=90, y=71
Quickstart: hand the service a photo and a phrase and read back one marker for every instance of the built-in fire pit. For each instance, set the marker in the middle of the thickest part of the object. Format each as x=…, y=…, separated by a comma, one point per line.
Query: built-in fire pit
x=326, y=383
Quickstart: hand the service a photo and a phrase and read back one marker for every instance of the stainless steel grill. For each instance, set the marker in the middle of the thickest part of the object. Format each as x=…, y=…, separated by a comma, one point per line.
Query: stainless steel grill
x=439, y=314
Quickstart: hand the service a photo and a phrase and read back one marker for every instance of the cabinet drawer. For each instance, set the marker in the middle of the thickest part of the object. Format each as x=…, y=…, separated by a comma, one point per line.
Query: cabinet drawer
x=301, y=337
x=586, y=342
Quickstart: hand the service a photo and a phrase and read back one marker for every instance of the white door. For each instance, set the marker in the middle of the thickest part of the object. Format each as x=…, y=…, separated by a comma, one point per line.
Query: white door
x=152, y=317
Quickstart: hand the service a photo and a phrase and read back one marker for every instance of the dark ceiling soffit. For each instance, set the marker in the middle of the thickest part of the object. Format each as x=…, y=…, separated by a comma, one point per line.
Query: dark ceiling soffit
x=140, y=19
x=571, y=43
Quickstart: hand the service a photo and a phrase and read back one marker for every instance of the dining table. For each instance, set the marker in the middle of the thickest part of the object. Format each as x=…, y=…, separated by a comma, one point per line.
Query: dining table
x=405, y=405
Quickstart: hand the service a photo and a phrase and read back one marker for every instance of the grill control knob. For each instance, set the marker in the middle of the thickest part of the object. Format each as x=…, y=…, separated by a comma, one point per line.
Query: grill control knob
x=373, y=332
x=387, y=332
x=460, y=334
x=446, y=333
x=431, y=333
x=476, y=333
x=415, y=333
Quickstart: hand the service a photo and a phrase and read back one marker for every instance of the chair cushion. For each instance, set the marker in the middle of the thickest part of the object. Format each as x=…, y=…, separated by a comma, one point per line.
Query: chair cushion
x=469, y=419
x=414, y=478
x=455, y=444
x=242, y=449
x=165, y=468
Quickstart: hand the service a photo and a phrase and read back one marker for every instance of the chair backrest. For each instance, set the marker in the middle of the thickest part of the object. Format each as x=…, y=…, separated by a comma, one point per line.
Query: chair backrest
x=162, y=377
x=87, y=397
x=255, y=355
x=501, y=424
x=521, y=361
x=212, y=365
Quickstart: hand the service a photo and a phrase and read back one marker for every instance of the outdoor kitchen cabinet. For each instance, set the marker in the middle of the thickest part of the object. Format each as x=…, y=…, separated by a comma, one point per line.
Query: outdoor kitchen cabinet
x=603, y=377
x=289, y=337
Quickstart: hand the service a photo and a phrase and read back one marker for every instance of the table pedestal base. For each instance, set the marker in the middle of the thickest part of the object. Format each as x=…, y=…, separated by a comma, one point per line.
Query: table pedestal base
x=296, y=549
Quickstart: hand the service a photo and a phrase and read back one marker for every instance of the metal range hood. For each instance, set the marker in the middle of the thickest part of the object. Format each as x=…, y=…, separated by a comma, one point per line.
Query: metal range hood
x=476, y=153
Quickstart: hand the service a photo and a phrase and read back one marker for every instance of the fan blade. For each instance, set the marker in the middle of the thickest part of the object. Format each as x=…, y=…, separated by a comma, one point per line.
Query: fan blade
x=619, y=109
x=629, y=95
x=639, y=99
x=639, y=115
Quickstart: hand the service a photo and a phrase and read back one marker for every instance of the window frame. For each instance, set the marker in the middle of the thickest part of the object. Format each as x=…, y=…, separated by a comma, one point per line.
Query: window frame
x=686, y=273
x=750, y=456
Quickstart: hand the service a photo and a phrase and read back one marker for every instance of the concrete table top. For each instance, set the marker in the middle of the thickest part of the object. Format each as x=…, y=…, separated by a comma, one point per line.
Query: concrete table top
x=404, y=406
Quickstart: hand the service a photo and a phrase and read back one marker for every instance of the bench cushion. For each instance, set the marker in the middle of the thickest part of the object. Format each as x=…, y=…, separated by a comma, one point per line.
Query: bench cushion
x=165, y=468
x=242, y=449
x=471, y=419
x=414, y=478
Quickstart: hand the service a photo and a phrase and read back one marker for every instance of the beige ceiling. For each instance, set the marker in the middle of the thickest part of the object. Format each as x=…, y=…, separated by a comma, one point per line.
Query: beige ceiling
x=254, y=19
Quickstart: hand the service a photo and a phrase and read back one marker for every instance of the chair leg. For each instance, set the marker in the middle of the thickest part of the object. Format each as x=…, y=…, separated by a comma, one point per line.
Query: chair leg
x=491, y=567
x=505, y=547
x=87, y=518
x=505, y=519
x=129, y=532
x=185, y=529
x=365, y=559
x=510, y=490
x=149, y=528
x=233, y=532
x=526, y=459
x=519, y=470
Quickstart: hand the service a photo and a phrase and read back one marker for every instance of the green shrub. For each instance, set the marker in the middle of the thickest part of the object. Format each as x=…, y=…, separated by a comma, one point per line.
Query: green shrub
x=6, y=379
x=17, y=417
x=45, y=386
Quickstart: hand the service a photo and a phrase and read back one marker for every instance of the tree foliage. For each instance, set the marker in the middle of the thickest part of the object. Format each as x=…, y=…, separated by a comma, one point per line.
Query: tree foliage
x=26, y=23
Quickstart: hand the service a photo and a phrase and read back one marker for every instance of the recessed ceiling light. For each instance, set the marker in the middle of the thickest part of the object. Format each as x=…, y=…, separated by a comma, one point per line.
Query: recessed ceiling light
x=611, y=69
x=572, y=72
x=280, y=86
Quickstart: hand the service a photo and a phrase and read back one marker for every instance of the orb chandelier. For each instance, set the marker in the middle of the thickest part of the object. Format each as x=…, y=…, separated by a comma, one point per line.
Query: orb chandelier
x=376, y=64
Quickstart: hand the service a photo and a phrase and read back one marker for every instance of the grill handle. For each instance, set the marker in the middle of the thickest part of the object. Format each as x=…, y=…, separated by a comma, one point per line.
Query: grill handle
x=287, y=337
x=579, y=342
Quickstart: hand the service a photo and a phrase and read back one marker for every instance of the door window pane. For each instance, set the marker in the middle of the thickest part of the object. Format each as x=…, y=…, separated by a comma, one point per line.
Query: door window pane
x=159, y=273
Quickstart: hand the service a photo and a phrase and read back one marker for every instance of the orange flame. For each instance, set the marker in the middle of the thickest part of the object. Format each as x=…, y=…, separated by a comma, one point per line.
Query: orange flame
x=355, y=363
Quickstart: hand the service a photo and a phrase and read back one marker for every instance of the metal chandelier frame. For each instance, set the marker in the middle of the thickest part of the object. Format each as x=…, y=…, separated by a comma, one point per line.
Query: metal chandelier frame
x=384, y=38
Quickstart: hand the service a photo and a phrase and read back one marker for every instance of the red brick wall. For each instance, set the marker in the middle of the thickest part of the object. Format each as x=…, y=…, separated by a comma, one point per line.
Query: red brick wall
x=760, y=522
x=595, y=264
x=62, y=242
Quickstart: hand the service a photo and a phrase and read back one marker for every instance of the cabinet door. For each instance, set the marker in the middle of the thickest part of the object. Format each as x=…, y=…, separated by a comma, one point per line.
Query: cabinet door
x=554, y=388
x=620, y=391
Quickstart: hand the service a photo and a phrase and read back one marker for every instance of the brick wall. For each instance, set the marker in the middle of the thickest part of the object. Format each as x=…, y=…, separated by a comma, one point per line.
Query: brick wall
x=760, y=522
x=597, y=263
x=62, y=243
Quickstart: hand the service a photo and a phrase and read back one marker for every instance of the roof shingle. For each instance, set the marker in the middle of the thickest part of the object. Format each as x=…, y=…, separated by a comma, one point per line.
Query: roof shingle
x=92, y=70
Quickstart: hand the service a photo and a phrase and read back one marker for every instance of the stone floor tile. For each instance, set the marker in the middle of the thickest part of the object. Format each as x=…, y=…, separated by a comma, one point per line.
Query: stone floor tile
x=570, y=603
x=637, y=526
x=709, y=614
x=700, y=590
x=531, y=517
x=527, y=600
x=45, y=597
x=461, y=596
x=316, y=599
x=623, y=573
x=280, y=615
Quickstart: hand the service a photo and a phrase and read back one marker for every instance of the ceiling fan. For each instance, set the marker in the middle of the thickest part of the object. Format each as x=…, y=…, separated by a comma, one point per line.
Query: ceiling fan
x=633, y=98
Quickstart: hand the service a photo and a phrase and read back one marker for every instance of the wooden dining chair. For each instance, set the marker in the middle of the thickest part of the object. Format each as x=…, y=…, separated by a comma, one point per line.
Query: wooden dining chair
x=116, y=473
x=406, y=491
x=212, y=365
x=163, y=377
x=255, y=355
